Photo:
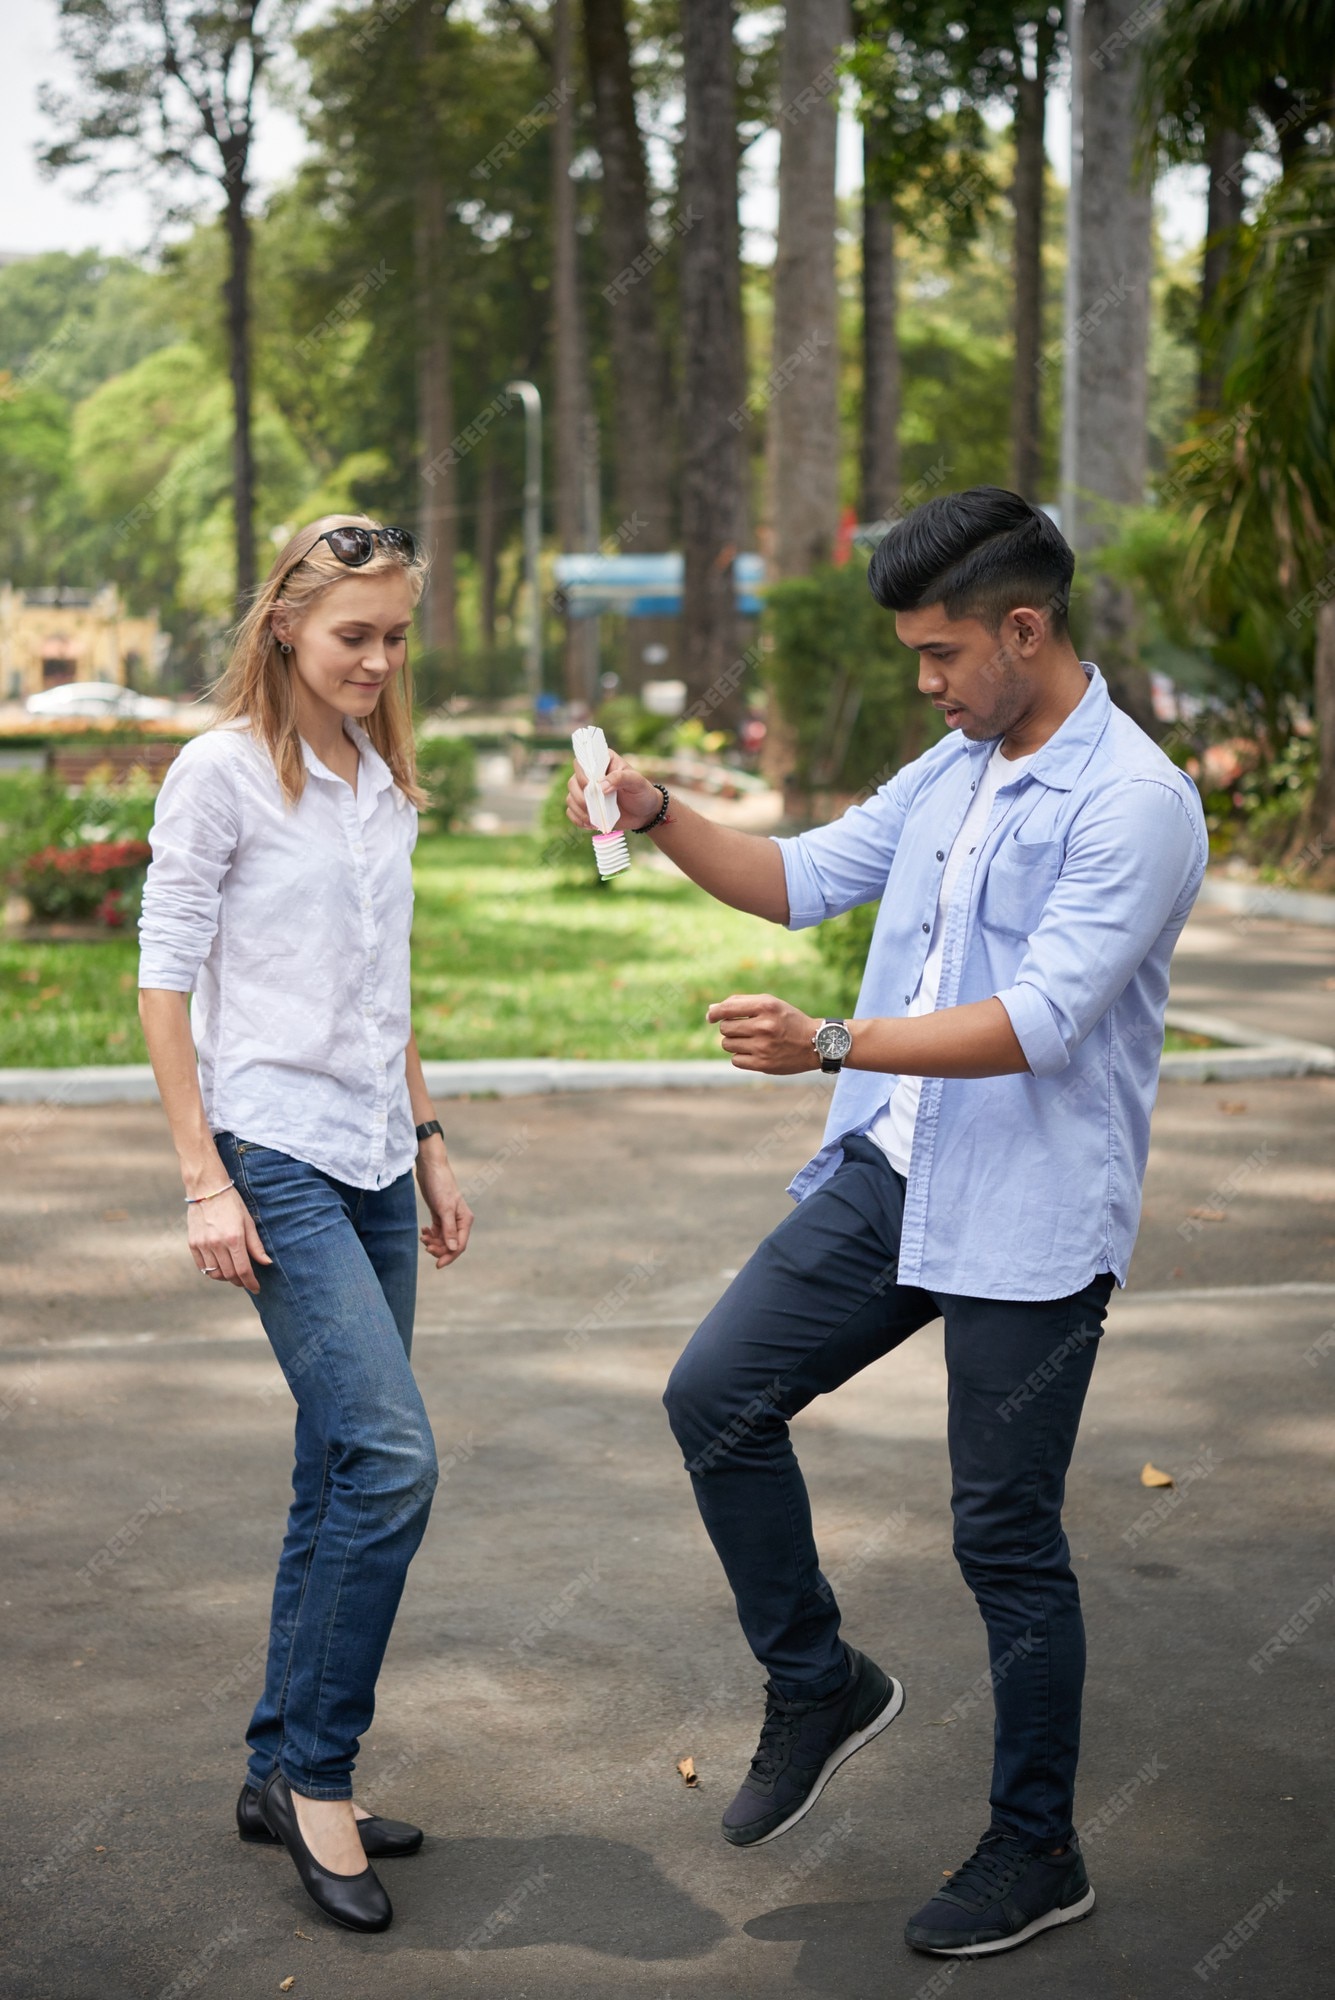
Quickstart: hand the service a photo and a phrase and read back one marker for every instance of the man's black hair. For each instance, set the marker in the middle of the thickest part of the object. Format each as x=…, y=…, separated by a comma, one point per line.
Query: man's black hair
x=978, y=554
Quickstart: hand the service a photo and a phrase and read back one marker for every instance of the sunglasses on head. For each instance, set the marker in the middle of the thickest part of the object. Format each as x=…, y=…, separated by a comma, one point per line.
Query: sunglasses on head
x=356, y=546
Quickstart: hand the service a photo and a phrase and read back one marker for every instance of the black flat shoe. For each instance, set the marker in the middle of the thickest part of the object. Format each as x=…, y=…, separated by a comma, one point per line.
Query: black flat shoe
x=357, y=1901
x=380, y=1837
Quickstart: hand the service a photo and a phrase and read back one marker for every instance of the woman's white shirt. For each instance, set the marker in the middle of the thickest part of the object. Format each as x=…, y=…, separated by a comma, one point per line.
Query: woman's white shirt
x=290, y=926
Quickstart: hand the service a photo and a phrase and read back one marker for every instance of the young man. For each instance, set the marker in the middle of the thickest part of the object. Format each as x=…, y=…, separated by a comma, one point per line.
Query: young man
x=982, y=1163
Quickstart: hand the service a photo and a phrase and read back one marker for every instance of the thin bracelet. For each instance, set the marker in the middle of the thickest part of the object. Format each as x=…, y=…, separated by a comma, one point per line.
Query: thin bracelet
x=662, y=813
x=191, y=1199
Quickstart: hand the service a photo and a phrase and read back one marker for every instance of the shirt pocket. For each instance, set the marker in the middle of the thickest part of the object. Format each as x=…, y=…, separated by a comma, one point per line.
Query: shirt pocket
x=1022, y=876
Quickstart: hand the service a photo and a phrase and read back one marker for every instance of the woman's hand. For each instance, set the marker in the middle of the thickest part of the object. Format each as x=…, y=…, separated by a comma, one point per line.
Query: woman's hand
x=638, y=799
x=446, y=1235
x=762, y=1033
x=224, y=1240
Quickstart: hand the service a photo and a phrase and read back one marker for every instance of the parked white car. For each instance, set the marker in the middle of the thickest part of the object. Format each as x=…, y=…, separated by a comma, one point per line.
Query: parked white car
x=99, y=698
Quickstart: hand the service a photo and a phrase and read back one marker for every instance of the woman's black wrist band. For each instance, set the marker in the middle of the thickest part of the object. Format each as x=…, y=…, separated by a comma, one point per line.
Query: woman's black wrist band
x=428, y=1130
x=660, y=815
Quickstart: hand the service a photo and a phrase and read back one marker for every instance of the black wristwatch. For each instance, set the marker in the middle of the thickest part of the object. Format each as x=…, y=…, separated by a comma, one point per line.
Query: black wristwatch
x=832, y=1042
x=425, y=1131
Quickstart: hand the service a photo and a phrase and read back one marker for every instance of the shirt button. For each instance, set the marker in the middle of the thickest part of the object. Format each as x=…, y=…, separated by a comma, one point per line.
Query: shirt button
x=906, y=1000
x=927, y=927
x=940, y=854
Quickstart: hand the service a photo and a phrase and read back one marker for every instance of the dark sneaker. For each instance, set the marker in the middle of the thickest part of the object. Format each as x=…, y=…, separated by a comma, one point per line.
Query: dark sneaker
x=1006, y=1893
x=802, y=1745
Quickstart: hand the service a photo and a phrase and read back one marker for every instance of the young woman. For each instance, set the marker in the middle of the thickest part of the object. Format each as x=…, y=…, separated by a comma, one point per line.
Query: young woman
x=280, y=895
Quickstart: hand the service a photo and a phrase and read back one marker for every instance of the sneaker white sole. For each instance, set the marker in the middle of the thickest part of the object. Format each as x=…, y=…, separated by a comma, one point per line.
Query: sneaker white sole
x=1070, y=1915
x=834, y=1760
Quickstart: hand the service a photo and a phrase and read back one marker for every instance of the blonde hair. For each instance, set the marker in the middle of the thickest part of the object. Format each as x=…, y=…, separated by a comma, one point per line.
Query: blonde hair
x=257, y=681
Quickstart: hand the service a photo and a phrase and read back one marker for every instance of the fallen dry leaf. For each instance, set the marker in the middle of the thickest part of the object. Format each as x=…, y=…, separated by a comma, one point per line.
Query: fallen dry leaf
x=286, y=1985
x=1232, y=1110
x=1208, y=1214
x=115, y=1215
x=1151, y=1476
x=99, y=1850
x=305, y=1934
x=686, y=1765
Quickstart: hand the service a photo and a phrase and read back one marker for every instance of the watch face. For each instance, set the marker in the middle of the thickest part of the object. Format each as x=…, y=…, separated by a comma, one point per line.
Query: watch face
x=833, y=1042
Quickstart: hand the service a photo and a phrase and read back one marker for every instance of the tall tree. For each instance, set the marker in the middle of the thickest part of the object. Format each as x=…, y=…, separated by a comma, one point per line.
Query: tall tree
x=881, y=373
x=642, y=440
x=1031, y=72
x=1105, y=433
x=170, y=87
x=1224, y=203
x=572, y=416
x=438, y=515
x=713, y=464
x=925, y=172
x=1224, y=77
x=803, y=434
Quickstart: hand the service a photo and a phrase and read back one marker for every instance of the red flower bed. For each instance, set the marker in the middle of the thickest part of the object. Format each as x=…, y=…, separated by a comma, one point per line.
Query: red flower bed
x=102, y=878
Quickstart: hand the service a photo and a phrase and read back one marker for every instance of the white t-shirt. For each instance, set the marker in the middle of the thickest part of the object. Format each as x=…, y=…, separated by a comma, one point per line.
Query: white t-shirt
x=893, y=1127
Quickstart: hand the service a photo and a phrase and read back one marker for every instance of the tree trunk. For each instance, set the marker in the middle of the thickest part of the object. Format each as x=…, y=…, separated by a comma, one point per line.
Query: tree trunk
x=713, y=459
x=236, y=295
x=1223, y=219
x=880, y=347
x=803, y=427
x=1104, y=444
x=1027, y=200
x=642, y=443
x=486, y=549
x=439, y=476
x=569, y=418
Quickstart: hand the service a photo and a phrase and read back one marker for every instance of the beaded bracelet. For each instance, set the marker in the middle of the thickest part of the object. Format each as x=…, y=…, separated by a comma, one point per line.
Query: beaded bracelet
x=191, y=1199
x=659, y=816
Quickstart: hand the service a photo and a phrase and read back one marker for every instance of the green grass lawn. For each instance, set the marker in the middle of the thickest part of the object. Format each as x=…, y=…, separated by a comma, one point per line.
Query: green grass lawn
x=508, y=960
x=69, y=1003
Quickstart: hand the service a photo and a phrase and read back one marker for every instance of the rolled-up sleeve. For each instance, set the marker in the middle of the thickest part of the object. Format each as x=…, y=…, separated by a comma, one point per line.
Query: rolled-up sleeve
x=834, y=868
x=194, y=835
x=1132, y=863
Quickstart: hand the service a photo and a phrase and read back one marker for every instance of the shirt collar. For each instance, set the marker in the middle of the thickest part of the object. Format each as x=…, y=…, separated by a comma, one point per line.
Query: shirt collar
x=1059, y=761
x=374, y=773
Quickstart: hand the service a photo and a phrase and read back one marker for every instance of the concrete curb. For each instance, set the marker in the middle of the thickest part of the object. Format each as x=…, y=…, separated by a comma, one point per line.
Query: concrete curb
x=133, y=1083
x=1249, y=1054
x=1260, y=899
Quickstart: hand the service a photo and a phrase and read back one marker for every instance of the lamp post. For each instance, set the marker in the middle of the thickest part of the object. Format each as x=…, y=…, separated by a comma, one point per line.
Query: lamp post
x=532, y=401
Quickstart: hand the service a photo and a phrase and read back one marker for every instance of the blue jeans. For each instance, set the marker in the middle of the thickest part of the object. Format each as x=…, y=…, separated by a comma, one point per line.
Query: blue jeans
x=816, y=1303
x=337, y=1304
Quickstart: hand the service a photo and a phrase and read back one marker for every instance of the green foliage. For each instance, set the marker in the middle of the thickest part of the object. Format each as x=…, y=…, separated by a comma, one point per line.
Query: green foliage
x=36, y=813
x=844, y=684
x=567, y=850
x=843, y=943
x=631, y=729
x=447, y=769
x=955, y=428
x=34, y=476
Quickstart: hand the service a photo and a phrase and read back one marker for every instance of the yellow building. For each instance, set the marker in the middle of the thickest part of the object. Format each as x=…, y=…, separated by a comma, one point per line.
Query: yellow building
x=49, y=636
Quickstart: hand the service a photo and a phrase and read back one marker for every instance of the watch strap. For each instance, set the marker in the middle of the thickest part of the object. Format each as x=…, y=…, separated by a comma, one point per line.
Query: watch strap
x=425, y=1131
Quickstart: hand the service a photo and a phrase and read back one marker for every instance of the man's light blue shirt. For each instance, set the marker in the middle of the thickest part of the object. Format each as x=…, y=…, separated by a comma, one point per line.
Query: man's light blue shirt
x=1020, y=1187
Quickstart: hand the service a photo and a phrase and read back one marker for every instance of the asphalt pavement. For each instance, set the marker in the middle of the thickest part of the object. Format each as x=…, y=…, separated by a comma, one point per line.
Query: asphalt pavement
x=566, y=1635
